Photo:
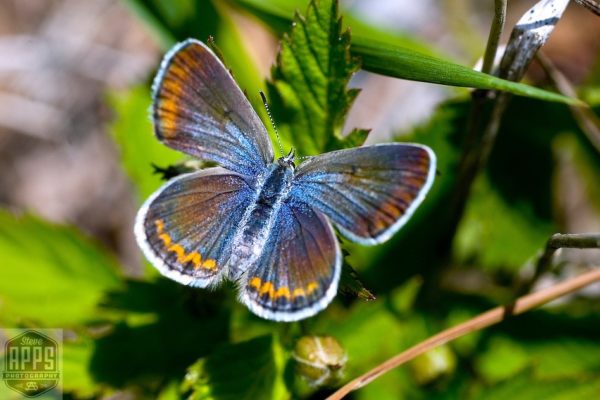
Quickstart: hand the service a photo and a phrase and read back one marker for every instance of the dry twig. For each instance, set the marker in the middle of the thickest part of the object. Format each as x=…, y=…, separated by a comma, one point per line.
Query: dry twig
x=484, y=320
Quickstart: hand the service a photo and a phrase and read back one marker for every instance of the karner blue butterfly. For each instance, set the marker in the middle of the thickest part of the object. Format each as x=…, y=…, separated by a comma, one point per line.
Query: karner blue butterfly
x=264, y=223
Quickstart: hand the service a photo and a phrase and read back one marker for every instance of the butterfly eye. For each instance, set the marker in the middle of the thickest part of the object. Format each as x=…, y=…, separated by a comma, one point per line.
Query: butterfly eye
x=286, y=162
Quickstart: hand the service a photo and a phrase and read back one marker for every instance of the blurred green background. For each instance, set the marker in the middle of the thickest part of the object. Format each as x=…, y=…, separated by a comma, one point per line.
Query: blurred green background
x=76, y=149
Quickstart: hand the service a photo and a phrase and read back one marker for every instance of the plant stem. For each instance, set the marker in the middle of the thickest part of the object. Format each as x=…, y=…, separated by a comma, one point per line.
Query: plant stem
x=590, y=5
x=478, y=158
x=494, y=37
x=484, y=320
x=559, y=241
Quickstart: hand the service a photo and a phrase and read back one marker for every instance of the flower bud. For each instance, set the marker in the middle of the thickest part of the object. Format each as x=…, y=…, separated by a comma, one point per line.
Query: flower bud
x=320, y=360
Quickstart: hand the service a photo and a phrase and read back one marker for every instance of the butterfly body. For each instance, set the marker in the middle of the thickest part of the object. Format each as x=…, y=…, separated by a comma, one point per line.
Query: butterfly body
x=262, y=222
x=272, y=189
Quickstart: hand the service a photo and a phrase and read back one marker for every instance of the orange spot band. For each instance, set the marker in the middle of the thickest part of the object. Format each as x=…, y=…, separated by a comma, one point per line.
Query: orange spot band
x=268, y=289
x=183, y=256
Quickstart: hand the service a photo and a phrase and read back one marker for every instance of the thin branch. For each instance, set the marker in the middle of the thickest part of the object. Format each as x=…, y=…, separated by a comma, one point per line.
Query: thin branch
x=559, y=241
x=590, y=5
x=484, y=320
x=585, y=117
x=494, y=37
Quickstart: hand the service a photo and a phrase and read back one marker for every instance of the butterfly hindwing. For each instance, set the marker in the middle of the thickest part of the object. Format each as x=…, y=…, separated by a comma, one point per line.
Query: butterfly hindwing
x=367, y=192
x=186, y=227
x=200, y=110
x=298, y=271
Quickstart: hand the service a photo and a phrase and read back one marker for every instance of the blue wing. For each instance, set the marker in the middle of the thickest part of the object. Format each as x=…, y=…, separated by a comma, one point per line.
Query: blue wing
x=298, y=271
x=186, y=227
x=200, y=110
x=368, y=192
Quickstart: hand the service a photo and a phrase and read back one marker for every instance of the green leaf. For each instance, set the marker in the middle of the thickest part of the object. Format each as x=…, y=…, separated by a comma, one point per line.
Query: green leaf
x=400, y=57
x=308, y=87
x=404, y=63
x=51, y=275
x=248, y=370
x=132, y=130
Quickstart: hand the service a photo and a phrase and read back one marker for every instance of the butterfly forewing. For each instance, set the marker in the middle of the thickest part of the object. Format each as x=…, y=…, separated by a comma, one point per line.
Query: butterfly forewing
x=200, y=110
x=298, y=271
x=185, y=229
x=368, y=192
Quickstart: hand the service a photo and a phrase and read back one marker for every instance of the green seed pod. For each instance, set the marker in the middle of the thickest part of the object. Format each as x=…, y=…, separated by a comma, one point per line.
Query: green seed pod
x=320, y=360
x=434, y=365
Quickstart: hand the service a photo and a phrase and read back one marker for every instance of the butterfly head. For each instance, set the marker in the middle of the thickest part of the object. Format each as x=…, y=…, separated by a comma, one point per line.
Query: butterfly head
x=288, y=161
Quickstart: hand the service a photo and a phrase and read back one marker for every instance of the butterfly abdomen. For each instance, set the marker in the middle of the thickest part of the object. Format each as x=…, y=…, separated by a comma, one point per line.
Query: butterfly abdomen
x=254, y=228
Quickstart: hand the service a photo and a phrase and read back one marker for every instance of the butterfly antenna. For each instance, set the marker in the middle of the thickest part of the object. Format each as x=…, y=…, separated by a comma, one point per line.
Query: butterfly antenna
x=264, y=99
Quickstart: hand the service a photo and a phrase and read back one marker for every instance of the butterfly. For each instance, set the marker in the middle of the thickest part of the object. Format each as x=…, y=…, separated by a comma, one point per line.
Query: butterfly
x=262, y=222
